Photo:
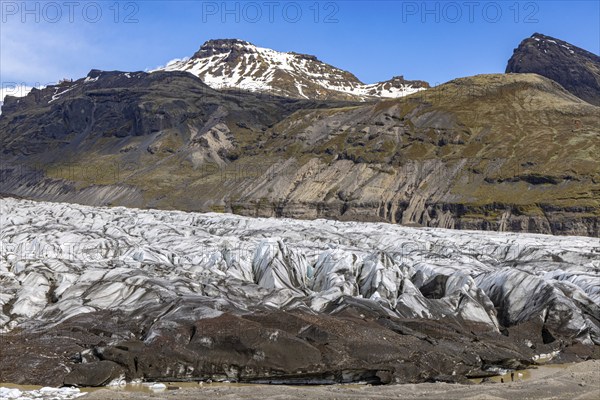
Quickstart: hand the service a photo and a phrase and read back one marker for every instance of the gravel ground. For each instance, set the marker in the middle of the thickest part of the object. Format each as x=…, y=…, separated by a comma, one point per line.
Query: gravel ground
x=574, y=382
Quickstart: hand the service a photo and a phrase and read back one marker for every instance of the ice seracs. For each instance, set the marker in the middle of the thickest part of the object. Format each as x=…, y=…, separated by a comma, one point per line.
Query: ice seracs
x=61, y=260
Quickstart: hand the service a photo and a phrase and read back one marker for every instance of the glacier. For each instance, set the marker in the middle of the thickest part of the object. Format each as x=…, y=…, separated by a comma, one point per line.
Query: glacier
x=214, y=284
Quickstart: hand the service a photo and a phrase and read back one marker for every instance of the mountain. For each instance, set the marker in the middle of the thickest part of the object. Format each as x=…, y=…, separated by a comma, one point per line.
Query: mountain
x=576, y=69
x=463, y=155
x=240, y=65
x=73, y=115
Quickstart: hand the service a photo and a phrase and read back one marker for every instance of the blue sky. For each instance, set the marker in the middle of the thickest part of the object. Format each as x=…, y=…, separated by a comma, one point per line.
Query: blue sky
x=432, y=41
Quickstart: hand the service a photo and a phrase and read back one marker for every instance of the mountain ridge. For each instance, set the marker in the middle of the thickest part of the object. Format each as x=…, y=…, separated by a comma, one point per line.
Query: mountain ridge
x=577, y=69
x=238, y=64
x=462, y=155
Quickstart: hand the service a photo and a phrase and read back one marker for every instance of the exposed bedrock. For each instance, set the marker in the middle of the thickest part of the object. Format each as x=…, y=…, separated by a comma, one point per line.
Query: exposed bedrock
x=411, y=209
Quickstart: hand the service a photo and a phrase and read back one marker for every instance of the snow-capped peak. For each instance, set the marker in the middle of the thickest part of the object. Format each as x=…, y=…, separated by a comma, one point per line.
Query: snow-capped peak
x=237, y=64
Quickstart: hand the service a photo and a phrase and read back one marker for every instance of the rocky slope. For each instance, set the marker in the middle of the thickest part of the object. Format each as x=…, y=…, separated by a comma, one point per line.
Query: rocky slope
x=576, y=69
x=14, y=91
x=239, y=65
x=95, y=294
x=464, y=155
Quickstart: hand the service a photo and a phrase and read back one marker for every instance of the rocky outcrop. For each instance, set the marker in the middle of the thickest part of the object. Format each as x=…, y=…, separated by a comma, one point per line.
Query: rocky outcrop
x=576, y=69
x=91, y=295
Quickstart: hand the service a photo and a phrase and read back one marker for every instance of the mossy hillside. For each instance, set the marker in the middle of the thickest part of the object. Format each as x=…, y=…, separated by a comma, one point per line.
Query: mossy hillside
x=490, y=142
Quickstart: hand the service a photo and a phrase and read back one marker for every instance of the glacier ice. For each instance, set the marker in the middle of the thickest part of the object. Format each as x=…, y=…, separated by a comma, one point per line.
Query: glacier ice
x=60, y=260
x=91, y=295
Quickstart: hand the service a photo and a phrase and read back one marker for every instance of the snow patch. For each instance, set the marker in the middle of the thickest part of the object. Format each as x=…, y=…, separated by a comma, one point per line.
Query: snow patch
x=258, y=67
x=64, y=393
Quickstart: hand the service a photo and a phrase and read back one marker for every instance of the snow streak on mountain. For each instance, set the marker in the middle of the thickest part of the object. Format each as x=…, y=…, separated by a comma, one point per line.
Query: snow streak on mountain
x=237, y=64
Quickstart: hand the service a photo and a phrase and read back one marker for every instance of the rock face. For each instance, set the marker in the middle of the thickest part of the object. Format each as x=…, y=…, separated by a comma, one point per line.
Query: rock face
x=462, y=155
x=576, y=69
x=91, y=294
x=239, y=65
x=14, y=91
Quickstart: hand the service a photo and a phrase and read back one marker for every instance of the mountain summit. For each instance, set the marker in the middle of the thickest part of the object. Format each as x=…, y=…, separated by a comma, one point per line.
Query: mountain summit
x=237, y=64
x=576, y=69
